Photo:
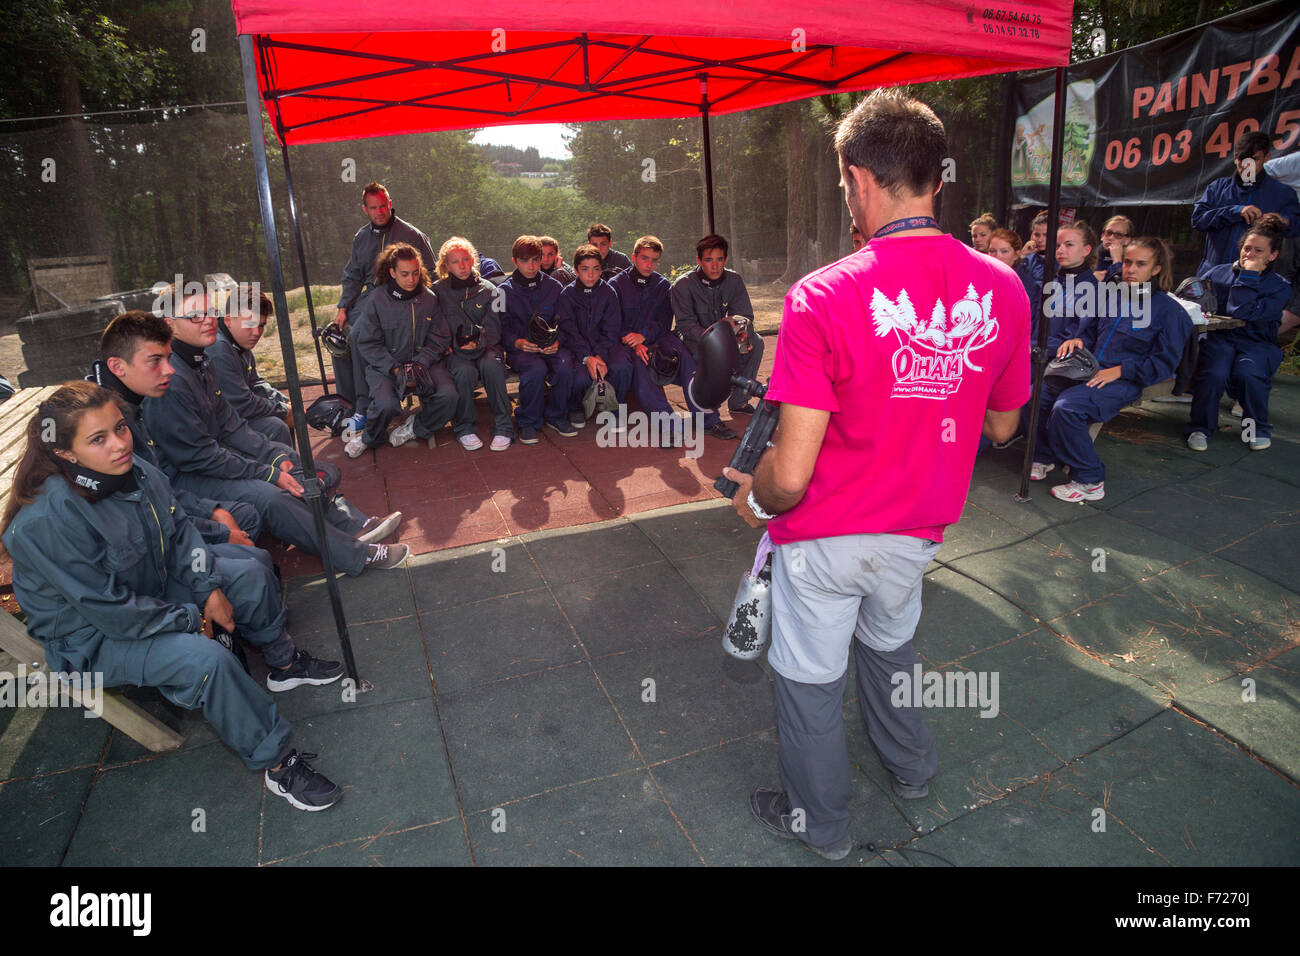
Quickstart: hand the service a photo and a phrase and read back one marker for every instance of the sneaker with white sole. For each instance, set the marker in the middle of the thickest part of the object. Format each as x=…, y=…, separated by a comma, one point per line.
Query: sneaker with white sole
x=303, y=787
x=578, y=420
x=304, y=669
x=357, y=424
x=1197, y=441
x=376, y=529
x=564, y=428
x=385, y=556
x=470, y=442
x=501, y=443
x=1038, y=471
x=527, y=436
x=402, y=433
x=355, y=448
x=1078, y=491
x=1259, y=444
x=1237, y=410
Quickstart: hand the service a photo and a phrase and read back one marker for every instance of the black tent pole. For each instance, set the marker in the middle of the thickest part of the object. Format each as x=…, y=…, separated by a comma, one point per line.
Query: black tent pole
x=1049, y=275
x=311, y=484
x=302, y=261
x=708, y=149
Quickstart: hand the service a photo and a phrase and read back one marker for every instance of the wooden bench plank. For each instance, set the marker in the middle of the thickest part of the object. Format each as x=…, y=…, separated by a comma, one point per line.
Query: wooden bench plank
x=127, y=717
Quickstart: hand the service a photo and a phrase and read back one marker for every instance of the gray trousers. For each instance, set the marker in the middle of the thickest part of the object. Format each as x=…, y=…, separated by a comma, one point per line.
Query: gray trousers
x=273, y=428
x=491, y=368
x=828, y=594
x=437, y=405
x=192, y=671
x=289, y=518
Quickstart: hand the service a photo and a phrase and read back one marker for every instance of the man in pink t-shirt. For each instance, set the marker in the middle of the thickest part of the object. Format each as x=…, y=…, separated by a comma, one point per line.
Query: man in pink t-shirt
x=890, y=365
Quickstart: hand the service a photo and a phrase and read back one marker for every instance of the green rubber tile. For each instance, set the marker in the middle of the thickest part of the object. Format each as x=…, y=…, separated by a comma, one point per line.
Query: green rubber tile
x=618, y=821
x=39, y=815
x=498, y=638
x=716, y=577
x=191, y=808
x=634, y=608
x=1044, y=824
x=390, y=762
x=389, y=655
x=1261, y=715
x=709, y=792
x=190, y=724
x=686, y=696
x=1269, y=552
x=470, y=574
x=1281, y=461
x=696, y=529
x=376, y=596
x=520, y=737
x=1193, y=797
x=979, y=759
x=997, y=496
x=439, y=844
x=1261, y=617
x=1068, y=700
x=1066, y=567
x=959, y=616
x=570, y=554
x=1250, y=491
x=1199, y=517
x=978, y=530
x=37, y=740
x=1142, y=634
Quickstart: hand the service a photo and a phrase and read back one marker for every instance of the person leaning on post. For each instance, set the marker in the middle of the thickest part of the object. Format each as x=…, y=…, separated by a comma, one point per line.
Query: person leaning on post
x=871, y=460
x=116, y=581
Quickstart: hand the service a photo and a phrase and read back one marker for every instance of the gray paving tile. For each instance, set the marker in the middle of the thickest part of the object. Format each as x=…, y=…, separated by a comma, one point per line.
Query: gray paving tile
x=519, y=737
x=497, y=638
x=39, y=815
x=571, y=554
x=716, y=576
x=191, y=808
x=698, y=529
x=618, y=821
x=1193, y=797
x=472, y=574
x=37, y=740
x=440, y=844
x=959, y=616
x=687, y=696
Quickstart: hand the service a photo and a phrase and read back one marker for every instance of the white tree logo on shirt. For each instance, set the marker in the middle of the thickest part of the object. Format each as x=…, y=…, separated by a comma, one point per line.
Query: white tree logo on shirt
x=933, y=353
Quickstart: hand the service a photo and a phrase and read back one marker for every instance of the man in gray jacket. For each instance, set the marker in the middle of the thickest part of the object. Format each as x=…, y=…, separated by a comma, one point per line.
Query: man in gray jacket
x=384, y=228
x=252, y=397
x=712, y=293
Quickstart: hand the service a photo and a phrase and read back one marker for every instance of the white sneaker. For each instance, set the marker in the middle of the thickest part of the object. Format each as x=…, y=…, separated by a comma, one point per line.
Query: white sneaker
x=499, y=443
x=1197, y=441
x=470, y=442
x=354, y=448
x=1078, y=491
x=376, y=529
x=1038, y=471
x=1237, y=410
x=402, y=433
x=1259, y=444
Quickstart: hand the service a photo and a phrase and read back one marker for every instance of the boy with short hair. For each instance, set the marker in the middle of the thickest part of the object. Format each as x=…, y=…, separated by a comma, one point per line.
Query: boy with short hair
x=553, y=263
x=612, y=261
x=590, y=318
x=251, y=396
x=532, y=343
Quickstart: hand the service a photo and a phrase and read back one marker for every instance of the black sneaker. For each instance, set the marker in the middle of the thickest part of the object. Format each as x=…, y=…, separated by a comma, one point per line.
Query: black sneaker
x=564, y=428
x=908, y=791
x=721, y=430
x=748, y=409
x=771, y=808
x=304, y=669
x=528, y=436
x=302, y=786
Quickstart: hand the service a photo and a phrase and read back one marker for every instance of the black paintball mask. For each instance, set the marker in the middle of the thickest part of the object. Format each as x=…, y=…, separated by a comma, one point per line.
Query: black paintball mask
x=663, y=366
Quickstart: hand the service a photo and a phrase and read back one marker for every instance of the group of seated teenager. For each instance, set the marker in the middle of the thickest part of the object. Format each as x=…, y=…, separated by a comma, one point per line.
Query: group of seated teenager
x=560, y=328
x=1110, y=295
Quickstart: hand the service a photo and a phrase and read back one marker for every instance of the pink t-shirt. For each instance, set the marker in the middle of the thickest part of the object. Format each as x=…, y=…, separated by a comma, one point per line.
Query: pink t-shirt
x=906, y=343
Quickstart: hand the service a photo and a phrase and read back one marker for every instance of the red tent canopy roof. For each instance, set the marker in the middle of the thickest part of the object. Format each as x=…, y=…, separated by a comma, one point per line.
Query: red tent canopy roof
x=345, y=69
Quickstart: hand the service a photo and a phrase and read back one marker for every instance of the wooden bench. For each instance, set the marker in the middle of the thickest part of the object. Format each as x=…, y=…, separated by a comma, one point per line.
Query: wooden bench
x=1158, y=390
x=127, y=717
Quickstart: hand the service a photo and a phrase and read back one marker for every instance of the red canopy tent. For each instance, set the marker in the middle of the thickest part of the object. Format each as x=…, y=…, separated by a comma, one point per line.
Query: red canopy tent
x=328, y=70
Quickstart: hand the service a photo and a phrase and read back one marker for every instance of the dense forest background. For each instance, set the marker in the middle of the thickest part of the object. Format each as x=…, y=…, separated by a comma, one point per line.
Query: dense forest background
x=160, y=178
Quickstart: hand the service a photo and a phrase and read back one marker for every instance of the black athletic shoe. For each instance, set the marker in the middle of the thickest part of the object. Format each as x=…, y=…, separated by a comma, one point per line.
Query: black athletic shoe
x=772, y=809
x=305, y=788
x=908, y=791
x=743, y=409
x=721, y=430
x=305, y=669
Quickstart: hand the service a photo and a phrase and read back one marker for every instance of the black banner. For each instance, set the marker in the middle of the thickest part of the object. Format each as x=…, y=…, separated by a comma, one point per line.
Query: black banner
x=1155, y=123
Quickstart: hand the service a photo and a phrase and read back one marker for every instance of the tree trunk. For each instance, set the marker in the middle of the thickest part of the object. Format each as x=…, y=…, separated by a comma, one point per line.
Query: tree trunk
x=91, y=228
x=799, y=196
x=828, y=200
